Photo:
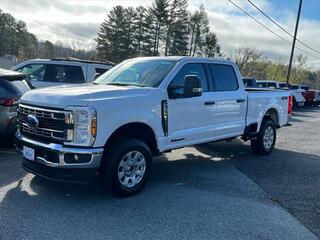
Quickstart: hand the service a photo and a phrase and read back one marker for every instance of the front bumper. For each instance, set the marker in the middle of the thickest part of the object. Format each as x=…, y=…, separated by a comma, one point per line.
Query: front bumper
x=59, y=163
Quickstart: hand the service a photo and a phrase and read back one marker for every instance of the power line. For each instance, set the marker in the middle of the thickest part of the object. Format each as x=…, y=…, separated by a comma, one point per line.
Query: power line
x=274, y=33
x=283, y=29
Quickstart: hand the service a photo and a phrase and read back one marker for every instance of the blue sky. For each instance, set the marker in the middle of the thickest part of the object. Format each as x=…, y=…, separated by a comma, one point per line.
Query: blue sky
x=310, y=8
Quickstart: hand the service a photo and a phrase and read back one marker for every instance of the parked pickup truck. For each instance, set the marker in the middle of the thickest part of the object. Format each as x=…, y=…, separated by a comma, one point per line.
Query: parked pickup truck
x=139, y=109
x=297, y=94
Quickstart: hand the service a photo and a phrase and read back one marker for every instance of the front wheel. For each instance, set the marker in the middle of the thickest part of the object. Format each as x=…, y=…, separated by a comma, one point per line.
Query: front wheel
x=126, y=167
x=264, y=143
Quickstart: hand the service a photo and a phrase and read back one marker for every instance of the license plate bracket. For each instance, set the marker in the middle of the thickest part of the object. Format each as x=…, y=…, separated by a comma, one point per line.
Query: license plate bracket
x=28, y=153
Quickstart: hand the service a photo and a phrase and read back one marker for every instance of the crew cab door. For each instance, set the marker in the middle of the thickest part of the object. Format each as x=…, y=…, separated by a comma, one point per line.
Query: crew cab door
x=190, y=119
x=231, y=101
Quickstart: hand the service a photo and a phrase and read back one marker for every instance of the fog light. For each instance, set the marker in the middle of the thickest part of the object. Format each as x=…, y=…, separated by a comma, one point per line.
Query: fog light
x=77, y=158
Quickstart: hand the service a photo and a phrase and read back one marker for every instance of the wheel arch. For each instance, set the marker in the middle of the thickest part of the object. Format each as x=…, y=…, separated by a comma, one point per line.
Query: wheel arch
x=272, y=114
x=137, y=130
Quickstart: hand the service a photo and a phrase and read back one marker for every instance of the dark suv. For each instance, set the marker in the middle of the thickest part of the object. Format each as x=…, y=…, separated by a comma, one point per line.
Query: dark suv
x=12, y=86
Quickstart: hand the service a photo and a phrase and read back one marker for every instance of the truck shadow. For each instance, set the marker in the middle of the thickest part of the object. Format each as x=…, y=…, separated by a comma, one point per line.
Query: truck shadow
x=284, y=178
x=218, y=168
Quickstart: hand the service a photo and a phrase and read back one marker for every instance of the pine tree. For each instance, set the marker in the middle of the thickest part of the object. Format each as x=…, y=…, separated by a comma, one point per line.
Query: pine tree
x=199, y=23
x=178, y=30
x=143, y=32
x=112, y=39
x=159, y=10
x=211, y=49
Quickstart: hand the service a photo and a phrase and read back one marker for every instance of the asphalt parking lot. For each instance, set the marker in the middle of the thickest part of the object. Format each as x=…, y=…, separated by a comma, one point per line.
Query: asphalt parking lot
x=213, y=191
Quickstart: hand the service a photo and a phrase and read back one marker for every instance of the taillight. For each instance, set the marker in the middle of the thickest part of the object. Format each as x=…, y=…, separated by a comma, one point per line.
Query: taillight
x=8, y=102
x=290, y=104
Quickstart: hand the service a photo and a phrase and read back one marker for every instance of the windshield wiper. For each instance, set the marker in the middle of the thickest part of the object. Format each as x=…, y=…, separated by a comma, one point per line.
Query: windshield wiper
x=124, y=84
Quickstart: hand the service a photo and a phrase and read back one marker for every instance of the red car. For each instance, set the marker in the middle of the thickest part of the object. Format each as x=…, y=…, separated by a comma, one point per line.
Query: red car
x=309, y=95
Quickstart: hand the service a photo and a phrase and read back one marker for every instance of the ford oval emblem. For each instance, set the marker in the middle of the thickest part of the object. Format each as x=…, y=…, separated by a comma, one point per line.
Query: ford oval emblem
x=32, y=121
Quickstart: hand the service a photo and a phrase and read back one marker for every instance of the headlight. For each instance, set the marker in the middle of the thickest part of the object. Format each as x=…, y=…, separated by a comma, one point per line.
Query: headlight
x=85, y=126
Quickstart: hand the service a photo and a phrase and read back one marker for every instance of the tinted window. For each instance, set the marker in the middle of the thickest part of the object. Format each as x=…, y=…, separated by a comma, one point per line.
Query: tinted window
x=267, y=85
x=249, y=82
x=34, y=72
x=224, y=77
x=189, y=69
x=283, y=85
x=63, y=73
x=101, y=71
x=305, y=88
x=294, y=87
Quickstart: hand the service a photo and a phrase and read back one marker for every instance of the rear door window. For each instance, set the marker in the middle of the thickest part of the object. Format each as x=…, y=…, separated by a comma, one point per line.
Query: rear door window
x=101, y=71
x=63, y=74
x=223, y=77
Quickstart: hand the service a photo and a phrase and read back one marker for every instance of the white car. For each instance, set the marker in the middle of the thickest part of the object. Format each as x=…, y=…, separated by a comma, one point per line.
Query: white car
x=61, y=71
x=140, y=109
x=297, y=93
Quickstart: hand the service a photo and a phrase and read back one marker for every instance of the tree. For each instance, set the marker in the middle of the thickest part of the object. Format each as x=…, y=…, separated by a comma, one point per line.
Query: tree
x=177, y=29
x=159, y=10
x=113, y=39
x=199, y=25
x=243, y=55
x=211, y=47
x=164, y=28
x=143, y=33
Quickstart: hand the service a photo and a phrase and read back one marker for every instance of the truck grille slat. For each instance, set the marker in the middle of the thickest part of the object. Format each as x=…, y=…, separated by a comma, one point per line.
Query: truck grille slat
x=51, y=128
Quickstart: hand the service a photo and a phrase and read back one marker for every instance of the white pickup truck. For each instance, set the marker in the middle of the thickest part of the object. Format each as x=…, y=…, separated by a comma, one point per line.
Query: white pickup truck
x=297, y=93
x=140, y=109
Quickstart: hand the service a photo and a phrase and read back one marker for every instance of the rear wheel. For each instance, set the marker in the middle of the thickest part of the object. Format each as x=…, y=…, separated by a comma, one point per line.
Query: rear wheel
x=126, y=168
x=266, y=138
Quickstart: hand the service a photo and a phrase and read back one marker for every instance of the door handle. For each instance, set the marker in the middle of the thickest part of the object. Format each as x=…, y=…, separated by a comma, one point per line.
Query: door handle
x=209, y=103
x=240, y=100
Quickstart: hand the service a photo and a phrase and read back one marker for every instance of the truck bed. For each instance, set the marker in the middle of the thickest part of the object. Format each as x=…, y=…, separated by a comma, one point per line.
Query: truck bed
x=260, y=99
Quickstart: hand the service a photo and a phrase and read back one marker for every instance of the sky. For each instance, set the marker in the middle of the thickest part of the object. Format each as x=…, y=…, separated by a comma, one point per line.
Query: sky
x=76, y=22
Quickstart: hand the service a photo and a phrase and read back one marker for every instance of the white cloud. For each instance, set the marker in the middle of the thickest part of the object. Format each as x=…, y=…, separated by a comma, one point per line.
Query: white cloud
x=77, y=21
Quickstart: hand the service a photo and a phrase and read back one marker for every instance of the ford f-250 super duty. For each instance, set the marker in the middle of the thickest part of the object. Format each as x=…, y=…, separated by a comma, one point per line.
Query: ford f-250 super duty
x=140, y=109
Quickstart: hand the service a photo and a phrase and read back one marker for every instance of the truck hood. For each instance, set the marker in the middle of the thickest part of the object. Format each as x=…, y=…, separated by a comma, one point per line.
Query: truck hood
x=79, y=95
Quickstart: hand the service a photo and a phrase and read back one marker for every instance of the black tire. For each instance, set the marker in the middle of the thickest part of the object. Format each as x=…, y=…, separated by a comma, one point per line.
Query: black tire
x=111, y=164
x=258, y=144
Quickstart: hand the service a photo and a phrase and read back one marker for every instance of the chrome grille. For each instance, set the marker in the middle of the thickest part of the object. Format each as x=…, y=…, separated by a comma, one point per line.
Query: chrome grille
x=53, y=126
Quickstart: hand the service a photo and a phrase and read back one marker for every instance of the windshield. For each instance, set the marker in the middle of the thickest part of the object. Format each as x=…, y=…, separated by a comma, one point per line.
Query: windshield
x=137, y=72
x=305, y=88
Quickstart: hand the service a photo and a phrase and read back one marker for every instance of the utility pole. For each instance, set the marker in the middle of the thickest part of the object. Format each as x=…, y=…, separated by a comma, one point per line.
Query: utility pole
x=294, y=42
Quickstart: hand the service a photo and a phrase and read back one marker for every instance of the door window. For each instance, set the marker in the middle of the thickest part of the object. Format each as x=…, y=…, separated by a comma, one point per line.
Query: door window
x=224, y=77
x=63, y=74
x=33, y=72
x=189, y=69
